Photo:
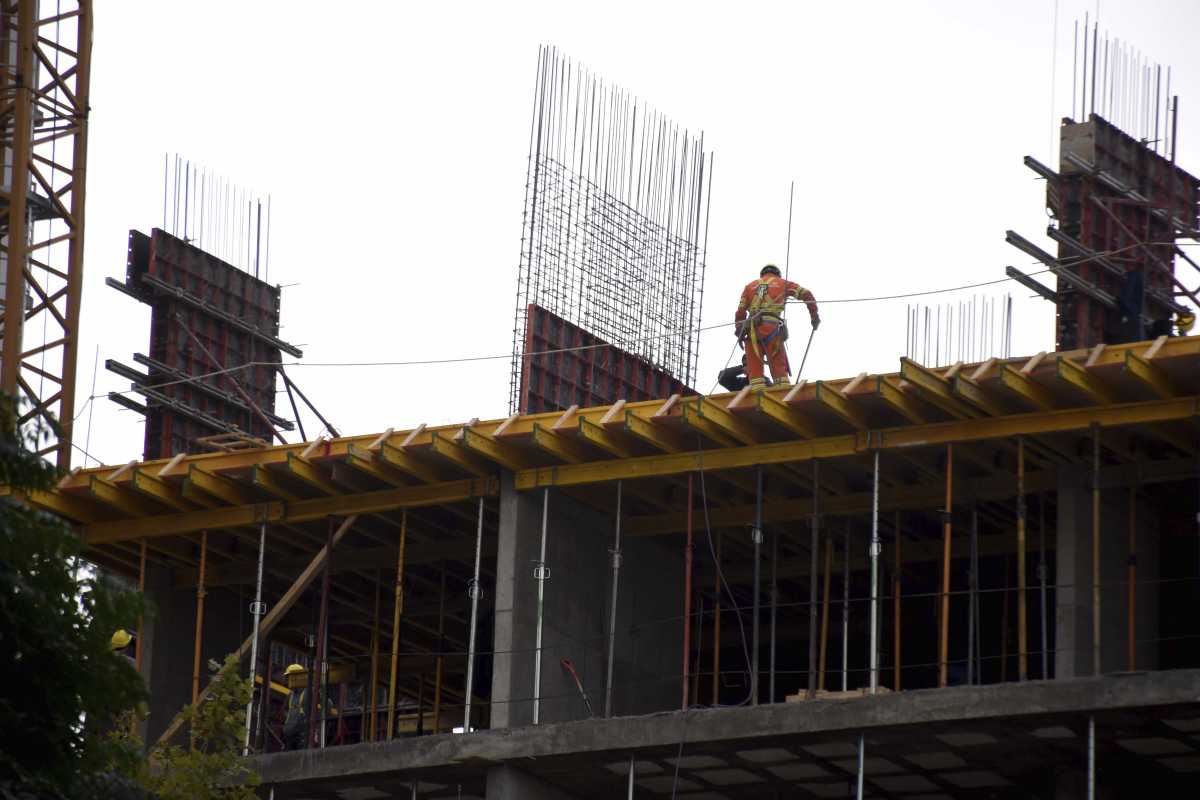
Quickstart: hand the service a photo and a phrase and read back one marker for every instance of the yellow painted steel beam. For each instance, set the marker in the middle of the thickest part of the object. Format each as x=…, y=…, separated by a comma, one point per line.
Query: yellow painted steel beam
x=1026, y=388
x=841, y=405
x=564, y=448
x=612, y=442
x=1084, y=380
x=216, y=486
x=935, y=389
x=409, y=463
x=975, y=394
x=897, y=498
x=656, y=434
x=121, y=499
x=154, y=487
x=735, y=426
x=370, y=463
x=791, y=419
x=68, y=506
x=299, y=511
x=893, y=393
x=459, y=456
x=311, y=474
x=707, y=427
x=499, y=453
x=1150, y=374
x=864, y=441
x=269, y=482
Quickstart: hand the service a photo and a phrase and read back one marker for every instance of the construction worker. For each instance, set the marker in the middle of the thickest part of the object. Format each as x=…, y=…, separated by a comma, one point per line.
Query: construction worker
x=295, y=724
x=122, y=644
x=760, y=327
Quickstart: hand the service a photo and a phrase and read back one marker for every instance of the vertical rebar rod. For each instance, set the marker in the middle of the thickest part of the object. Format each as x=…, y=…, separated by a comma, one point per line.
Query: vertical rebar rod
x=256, y=611
x=1095, y=549
x=397, y=612
x=629, y=791
x=474, y=592
x=944, y=635
x=539, y=576
x=814, y=576
x=687, y=598
x=756, y=536
x=612, y=612
x=875, y=547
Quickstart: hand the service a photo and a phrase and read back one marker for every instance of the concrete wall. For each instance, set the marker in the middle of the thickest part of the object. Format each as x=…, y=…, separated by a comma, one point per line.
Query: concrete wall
x=575, y=613
x=1073, y=630
x=169, y=642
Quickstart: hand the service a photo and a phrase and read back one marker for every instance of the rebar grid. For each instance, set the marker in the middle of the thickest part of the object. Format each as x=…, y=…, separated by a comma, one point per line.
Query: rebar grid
x=615, y=207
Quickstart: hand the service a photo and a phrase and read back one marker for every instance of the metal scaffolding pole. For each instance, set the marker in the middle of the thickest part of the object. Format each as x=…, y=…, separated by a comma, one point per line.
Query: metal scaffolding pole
x=875, y=547
x=1091, y=758
x=756, y=535
x=687, y=599
x=539, y=575
x=1095, y=549
x=200, y=595
x=256, y=610
x=846, y=613
x=944, y=633
x=397, y=612
x=474, y=592
x=862, y=746
x=774, y=592
x=612, y=614
x=814, y=575
x=1022, y=629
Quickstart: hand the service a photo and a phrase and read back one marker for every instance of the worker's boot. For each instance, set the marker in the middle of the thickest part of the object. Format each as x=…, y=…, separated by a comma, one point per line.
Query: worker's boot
x=757, y=385
x=783, y=382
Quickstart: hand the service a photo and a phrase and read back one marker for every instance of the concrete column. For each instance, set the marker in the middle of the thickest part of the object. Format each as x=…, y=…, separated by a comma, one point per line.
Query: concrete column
x=168, y=637
x=506, y=783
x=577, y=596
x=1073, y=576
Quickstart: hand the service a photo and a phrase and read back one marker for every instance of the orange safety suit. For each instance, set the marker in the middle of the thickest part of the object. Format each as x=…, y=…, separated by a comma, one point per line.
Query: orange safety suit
x=761, y=329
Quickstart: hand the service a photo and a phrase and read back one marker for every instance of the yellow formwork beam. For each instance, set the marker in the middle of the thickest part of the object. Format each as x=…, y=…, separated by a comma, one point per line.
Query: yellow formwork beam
x=1026, y=388
x=1150, y=374
x=277, y=512
x=890, y=389
x=865, y=441
x=1084, y=380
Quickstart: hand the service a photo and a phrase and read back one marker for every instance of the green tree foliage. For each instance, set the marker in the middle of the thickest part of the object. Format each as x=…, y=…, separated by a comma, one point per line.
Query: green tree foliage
x=210, y=766
x=63, y=686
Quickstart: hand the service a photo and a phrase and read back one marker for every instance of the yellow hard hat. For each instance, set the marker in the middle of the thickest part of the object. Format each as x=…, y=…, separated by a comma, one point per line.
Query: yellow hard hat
x=121, y=639
x=292, y=669
x=1184, y=321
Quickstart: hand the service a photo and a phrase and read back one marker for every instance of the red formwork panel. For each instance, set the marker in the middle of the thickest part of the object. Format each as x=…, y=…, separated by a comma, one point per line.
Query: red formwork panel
x=564, y=365
x=1133, y=233
x=206, y=316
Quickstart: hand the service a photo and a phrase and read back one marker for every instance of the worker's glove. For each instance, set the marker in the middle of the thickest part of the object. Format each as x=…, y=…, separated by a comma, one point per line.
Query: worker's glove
x=816, y=322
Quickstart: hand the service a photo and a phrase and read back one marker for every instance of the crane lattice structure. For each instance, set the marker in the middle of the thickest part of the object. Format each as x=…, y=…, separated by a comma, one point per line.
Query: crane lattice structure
x=45, y=65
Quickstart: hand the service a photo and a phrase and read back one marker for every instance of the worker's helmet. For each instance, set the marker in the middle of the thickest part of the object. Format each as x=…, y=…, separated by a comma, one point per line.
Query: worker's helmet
x=121, y=639
x=772, y=269
x=292, y=669
x=1184, y=321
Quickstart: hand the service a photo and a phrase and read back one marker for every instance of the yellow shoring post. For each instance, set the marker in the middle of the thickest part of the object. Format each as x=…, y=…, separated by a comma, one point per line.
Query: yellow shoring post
x=397, y=610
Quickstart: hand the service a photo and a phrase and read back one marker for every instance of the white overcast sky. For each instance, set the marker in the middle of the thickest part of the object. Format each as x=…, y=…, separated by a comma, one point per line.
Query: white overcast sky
x=393, y=138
